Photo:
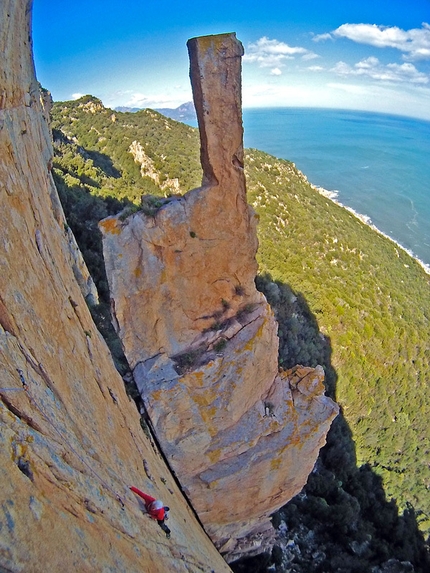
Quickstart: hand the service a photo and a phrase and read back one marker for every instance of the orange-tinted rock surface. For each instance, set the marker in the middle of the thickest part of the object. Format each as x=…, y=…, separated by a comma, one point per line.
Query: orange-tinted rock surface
x=241, y=437
x=70, y=439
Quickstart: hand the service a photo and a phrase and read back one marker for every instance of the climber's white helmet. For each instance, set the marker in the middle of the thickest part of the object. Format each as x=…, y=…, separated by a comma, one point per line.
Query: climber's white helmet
x=157, y=504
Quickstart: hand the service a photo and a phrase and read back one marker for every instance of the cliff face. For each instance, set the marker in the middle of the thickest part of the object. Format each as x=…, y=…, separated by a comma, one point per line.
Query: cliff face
x=202, y=341
x=70, y=440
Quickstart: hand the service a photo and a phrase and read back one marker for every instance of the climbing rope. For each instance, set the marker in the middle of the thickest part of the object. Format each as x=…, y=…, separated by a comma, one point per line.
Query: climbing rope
x=11, y=389
x=23, y=382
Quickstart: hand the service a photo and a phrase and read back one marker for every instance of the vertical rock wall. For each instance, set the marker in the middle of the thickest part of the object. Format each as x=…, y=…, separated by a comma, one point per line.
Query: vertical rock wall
x=70, y=438
x=241, y=437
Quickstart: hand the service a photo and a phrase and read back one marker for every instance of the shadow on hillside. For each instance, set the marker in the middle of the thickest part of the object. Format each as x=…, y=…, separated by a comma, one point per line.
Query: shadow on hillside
x=103, y=162
x=342, y=521
x=100, y=160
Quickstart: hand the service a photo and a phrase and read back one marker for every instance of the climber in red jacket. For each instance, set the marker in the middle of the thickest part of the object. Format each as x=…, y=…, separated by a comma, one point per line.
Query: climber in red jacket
x=155, y=509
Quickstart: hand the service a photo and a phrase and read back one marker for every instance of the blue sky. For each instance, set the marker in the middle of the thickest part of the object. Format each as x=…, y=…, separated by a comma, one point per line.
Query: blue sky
x=370, y=55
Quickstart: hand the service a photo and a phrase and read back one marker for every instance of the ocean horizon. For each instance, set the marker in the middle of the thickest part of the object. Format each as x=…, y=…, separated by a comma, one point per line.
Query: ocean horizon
x=374, y=164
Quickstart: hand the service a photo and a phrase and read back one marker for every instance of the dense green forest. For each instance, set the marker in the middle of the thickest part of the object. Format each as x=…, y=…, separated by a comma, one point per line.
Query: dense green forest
x=345, y=297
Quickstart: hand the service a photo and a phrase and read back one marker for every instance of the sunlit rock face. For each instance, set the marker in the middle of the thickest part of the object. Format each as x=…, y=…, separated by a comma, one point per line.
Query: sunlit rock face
x=241, y=437
x=70, y=438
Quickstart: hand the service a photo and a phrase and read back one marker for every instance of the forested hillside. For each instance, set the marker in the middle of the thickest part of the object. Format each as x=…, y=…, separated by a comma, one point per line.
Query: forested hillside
x=345, y=297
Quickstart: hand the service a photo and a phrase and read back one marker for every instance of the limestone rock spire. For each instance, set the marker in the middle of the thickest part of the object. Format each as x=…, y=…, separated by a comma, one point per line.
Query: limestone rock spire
x=215, y=73
x=241, y=437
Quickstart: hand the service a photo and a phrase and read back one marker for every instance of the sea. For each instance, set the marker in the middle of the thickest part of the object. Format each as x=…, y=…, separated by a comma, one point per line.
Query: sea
x=376, y=165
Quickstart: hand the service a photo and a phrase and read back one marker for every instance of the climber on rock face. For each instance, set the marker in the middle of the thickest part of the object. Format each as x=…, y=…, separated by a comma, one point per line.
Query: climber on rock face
x=155, y=509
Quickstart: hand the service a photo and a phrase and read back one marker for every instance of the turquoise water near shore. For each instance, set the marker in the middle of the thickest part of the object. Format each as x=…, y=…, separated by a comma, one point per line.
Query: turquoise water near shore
x=378, y=164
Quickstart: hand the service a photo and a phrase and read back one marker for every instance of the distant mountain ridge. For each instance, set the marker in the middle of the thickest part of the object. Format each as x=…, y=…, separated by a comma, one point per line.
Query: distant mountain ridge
x=125, y=109
x=185, y=112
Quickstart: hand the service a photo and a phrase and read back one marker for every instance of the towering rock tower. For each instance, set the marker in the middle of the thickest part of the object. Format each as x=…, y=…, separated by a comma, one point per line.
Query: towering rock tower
x=241, y=437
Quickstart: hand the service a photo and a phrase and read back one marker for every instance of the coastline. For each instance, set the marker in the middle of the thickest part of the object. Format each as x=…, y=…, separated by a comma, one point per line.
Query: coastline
x=332, y=196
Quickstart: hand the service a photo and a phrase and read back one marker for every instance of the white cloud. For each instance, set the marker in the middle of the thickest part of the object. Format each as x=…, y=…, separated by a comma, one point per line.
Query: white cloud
x=142, y=100
x=310, y=56
x=322, y=37
x=315, y=68
x=414, y=43
x=353, y=89
x=275, y=72
x=168, y=99
x=342, y=69
x=409, y=99
x=121, y=93
x=272, y=53
x=374, y=69
x=279, y=94
x=170, y=96
x=368, y=63
x=386, y=98
x=77, y=95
